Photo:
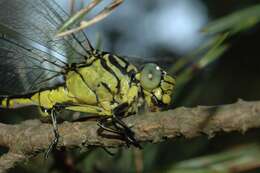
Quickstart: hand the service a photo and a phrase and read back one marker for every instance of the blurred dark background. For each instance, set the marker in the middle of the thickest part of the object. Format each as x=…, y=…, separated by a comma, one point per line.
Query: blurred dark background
x=171, y=29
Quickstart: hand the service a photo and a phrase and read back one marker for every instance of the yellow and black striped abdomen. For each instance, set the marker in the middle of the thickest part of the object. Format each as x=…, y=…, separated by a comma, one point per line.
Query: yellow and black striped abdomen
x=45, y=98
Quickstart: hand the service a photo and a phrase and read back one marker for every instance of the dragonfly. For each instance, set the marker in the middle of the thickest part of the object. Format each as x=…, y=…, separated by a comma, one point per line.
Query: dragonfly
x=67, y=73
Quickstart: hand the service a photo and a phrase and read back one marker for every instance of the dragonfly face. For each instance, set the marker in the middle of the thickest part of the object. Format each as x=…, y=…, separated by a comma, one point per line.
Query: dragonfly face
x=157, y=86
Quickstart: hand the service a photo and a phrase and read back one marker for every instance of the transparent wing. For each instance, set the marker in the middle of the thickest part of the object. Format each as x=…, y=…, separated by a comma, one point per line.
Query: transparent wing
x=29, y=53
x=24, y=68
x=39, y=20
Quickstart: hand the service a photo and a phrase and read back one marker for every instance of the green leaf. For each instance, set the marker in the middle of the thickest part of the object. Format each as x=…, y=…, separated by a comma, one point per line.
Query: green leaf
x=235, y=22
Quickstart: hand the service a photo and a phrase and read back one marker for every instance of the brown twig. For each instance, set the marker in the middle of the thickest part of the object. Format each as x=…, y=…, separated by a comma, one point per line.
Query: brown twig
x=31, y=137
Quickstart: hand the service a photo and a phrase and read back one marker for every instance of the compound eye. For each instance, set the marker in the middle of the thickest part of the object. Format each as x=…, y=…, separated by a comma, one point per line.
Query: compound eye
x=150, y=76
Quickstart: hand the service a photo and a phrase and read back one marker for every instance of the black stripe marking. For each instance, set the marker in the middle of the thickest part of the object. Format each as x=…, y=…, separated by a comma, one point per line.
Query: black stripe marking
x=162, y=90
x=114, y=62
x=122, y=59
x=75, y=66
x=168, y=82
x=125, y=61
x=131, y=74
x=7, y=102
x=82, y=78
x=39, y=98
x=2, y=98
x=28, y=95
x=107, y=68
x=106, y=86
x=103, y=53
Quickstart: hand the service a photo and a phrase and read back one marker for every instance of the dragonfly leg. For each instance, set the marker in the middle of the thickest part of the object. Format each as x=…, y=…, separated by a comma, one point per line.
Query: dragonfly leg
x=120, y=127
x=102, y=124
x=127, y=133
x=55, y=132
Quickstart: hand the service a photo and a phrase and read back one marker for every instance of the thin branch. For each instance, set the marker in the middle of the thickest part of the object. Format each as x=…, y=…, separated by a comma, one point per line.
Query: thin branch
x=32, y=136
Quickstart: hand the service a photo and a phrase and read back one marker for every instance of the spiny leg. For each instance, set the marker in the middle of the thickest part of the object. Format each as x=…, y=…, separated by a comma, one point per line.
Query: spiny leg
x=119, y=131
x=121, y=128
x=117, y=120
x=55, y=132
x=101, y=124
x=127, y=133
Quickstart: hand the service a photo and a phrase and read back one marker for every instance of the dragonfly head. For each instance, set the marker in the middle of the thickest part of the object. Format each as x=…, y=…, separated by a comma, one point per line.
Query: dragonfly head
x=157, y=86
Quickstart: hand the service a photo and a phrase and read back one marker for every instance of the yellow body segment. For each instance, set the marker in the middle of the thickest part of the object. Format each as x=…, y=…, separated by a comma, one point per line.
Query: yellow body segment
x=100, y=90
x=46, y=98
x=88, y=80
x=15, y=102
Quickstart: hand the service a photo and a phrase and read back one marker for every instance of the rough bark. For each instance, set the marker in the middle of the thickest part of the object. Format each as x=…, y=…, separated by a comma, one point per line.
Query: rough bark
x=31, y=137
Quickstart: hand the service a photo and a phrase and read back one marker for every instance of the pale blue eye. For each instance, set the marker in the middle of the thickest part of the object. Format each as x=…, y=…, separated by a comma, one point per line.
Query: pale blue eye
x=150, y=76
